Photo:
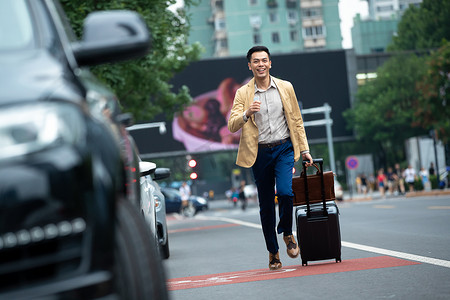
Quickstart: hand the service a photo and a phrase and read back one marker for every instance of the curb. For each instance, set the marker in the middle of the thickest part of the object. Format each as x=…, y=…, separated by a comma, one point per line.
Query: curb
x=407, y=195
x=428, y=193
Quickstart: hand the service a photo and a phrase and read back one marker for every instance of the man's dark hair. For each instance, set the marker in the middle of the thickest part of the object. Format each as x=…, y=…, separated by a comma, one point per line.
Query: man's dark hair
x=257, y=49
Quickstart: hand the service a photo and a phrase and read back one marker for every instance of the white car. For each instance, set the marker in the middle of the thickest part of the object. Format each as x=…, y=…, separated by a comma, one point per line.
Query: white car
x=153, y=204
x=338, y=191
x=148, y=206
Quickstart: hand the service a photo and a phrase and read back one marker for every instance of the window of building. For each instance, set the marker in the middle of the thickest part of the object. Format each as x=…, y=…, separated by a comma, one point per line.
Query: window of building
x=253, y=2
x=311, y=13
x=255, y=21
x=219, y=4
x=294, y=35
x=256, y=38
x=385, y=8
x=273, y=17
x=219, y=24
x=275, y=37
x=314, y=32
x=292, y=16
x=222, y=43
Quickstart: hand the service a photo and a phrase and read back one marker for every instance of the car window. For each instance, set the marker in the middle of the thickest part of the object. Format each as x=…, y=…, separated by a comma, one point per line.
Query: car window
x=16, y=30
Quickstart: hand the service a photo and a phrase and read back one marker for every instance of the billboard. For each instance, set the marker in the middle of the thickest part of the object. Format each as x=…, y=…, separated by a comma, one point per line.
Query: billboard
x=317, y=77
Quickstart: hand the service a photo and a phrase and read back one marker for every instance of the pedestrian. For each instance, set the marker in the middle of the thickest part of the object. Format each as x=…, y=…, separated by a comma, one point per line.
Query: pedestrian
x=228, y=194
x=400, y=180
x=185, y=193
x=410, y=175
x=391, y=180
x=371, y=181
x=272, y=139
x=431, y=169
x=242, y=196
x=235, y=196
x=363, y=184
x=382, y=181
x=425, y=179
x=358, y=184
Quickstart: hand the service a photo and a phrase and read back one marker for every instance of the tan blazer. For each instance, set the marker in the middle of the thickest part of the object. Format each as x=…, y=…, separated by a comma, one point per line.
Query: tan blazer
x=248, y=144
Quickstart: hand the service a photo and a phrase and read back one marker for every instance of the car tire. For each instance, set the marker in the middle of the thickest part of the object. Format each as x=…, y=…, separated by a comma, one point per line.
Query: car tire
x=139, y=270
x=164, y=249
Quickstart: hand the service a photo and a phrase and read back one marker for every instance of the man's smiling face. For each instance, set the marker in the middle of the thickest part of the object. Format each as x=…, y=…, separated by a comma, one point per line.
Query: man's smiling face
x=260, y=64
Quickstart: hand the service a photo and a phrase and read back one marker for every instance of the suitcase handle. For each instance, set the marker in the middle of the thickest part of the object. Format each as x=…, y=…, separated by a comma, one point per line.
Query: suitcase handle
x=314, y=165
x=308, y=208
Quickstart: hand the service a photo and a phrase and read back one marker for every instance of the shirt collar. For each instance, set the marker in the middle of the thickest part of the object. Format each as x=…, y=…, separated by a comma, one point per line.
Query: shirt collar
x=272, y=85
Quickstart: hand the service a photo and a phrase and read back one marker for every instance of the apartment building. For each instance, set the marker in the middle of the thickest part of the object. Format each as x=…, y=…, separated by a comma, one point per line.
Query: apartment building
x=231, y=27
x=388, y=9
x=374, y=34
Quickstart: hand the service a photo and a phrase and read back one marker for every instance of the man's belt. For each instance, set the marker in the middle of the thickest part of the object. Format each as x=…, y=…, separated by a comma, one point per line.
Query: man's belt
x=271, y=145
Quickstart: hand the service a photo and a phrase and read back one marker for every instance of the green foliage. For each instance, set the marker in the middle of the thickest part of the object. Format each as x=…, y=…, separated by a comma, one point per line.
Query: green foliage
x=432, y=108
x=418, y=185
x=383, y=113
x=434, y=182
x=423, y=28
x=142, y=85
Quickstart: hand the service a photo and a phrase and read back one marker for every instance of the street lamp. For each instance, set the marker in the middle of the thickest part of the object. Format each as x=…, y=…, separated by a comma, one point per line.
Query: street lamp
x=160, y=125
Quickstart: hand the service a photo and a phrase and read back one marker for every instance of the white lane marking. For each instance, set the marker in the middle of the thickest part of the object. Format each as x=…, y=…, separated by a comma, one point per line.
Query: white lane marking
x=403, y=255
x=229, y=220
x=408, y=256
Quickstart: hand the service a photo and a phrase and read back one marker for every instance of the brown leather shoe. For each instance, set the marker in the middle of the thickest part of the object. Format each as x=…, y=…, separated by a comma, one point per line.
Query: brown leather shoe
x=291, y=246
x=274, y=261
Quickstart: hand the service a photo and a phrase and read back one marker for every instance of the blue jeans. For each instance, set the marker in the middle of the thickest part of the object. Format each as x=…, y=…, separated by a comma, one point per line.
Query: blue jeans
x=274, y=166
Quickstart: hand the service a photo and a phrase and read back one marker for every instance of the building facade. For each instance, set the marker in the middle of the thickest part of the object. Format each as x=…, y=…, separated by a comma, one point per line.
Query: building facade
x=375, y=33
x=389, y=9
x=372, y=36
x=231, y=27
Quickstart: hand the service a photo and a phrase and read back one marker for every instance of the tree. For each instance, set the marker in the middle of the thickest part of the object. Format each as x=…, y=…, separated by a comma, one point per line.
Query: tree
x=383, y=113
x=432, y=108
x=423, y=28
x=142, y=85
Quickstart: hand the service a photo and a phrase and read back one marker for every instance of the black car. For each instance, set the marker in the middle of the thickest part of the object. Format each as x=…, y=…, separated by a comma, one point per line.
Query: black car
x=173, y=202
x=70, y=227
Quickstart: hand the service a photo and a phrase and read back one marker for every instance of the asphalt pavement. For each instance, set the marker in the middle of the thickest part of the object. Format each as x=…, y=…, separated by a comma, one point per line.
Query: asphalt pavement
x=394, y=247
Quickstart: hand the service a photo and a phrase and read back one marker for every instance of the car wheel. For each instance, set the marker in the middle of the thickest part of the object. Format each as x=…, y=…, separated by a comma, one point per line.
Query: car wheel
x=189, y=211
x=139, y=270
x=164, y=249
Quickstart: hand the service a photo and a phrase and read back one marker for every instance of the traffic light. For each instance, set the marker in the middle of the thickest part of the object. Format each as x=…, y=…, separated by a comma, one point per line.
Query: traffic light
x=192, y=163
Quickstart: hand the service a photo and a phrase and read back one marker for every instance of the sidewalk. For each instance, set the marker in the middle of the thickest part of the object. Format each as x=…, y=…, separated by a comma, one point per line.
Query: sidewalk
x=376, y=195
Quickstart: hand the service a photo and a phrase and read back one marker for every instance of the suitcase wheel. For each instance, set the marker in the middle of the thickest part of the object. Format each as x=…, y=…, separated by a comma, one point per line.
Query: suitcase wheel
x=304, y=263
x=338, y=259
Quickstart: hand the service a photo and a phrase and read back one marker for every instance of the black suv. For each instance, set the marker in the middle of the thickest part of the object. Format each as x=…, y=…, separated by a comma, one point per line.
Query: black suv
x=69, y=194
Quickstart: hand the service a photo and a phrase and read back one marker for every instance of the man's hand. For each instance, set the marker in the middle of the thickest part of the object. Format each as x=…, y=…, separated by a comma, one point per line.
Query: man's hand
x=307, y=156
x=254, y=108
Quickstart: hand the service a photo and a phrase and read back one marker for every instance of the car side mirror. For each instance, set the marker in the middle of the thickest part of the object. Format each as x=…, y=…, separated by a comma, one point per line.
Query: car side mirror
x=161, y=173
x=146, y=168
x=110, y=36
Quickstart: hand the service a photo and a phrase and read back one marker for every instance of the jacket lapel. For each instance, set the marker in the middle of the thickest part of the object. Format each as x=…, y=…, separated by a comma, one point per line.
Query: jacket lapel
x=250, y=96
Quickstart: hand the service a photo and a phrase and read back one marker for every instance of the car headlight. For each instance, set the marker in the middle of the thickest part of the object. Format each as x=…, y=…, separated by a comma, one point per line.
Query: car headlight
x=157, y=202
x=201, y=200
x=30, y=128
